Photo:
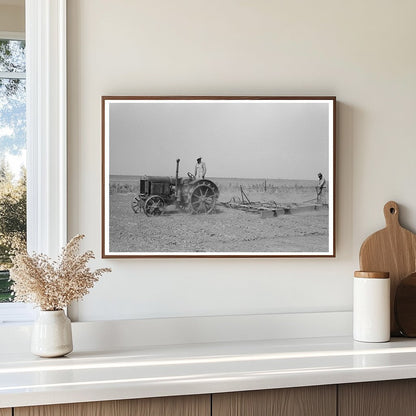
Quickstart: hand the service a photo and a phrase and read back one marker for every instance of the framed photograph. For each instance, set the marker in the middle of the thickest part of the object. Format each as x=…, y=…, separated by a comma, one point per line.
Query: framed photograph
x=218, y=176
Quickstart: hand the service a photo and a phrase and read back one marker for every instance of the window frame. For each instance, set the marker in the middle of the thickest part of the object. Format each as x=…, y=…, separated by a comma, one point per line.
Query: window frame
x=12, y=35
x=14, y=312
x=46, y=121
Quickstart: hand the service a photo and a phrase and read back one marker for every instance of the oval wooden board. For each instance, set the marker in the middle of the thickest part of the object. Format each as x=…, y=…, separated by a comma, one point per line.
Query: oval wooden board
x=392, y=250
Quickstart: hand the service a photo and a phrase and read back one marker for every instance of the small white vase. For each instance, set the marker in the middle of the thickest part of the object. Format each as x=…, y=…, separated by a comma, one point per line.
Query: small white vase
x=52, y=334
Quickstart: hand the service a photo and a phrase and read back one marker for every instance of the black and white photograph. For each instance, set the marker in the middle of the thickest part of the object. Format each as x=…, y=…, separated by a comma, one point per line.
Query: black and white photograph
x=218, y=176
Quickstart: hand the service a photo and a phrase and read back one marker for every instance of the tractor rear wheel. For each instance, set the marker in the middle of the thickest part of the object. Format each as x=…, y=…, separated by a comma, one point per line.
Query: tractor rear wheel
x=203, y=199
x=154, y=205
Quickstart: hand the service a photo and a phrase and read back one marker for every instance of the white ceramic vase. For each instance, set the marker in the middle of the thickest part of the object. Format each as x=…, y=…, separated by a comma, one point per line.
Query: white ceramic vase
x=52, y=334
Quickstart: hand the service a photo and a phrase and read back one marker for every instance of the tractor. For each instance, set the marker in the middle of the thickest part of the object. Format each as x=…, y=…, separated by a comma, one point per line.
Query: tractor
x=196, y=196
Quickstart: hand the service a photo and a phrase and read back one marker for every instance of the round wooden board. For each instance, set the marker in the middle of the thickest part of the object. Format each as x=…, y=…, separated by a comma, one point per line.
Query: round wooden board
x=405, y=306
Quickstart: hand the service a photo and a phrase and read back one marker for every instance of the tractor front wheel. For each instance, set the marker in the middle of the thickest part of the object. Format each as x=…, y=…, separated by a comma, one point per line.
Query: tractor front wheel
x=203, y=199
x=136, y=204
x=154, y=206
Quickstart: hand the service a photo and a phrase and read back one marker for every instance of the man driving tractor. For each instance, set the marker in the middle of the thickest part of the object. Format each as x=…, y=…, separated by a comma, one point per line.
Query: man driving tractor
x=200, y=169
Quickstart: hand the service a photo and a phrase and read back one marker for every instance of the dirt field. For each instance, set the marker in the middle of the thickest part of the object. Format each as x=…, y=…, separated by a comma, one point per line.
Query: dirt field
x=226, y=230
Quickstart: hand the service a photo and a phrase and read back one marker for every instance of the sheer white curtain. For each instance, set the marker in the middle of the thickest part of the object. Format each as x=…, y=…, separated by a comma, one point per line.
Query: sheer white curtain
x=46, y=125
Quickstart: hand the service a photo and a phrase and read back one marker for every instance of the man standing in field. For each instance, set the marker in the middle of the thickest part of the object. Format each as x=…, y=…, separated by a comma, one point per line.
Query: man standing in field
x=200, y=169
x=320, y=187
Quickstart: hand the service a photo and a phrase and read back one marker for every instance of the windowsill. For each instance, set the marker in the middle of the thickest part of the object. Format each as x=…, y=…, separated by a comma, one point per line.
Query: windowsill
x=16, y=313
x=151, y=371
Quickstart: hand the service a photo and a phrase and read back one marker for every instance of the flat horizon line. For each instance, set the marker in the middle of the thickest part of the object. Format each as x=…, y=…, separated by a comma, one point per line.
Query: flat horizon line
x=228, y=177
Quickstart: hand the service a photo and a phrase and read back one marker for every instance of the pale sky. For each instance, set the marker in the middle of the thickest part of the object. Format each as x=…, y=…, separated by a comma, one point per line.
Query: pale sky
x=250, y=139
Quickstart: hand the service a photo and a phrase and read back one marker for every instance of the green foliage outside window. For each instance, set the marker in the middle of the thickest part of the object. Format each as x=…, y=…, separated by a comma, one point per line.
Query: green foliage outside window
x=12, y=224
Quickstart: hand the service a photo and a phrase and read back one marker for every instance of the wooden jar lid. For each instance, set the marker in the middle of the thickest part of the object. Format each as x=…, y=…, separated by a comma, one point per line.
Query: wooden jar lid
x=372, y=275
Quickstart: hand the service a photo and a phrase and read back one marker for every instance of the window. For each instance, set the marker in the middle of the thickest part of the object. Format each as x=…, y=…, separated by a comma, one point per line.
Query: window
x=46, y=135
x=12, y=155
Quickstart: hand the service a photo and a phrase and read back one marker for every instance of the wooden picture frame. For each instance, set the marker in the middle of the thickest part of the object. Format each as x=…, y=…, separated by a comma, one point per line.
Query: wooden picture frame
x=256, y=193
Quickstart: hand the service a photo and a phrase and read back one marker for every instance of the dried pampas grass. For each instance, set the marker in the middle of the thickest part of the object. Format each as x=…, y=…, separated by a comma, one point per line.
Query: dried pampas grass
x=53, y=285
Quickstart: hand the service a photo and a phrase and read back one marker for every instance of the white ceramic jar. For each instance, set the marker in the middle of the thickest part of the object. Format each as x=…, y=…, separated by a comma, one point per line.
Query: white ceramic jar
x=371, y=308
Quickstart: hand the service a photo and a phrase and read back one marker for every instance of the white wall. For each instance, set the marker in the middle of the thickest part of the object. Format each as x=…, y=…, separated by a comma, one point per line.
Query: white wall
x=361, y=51
x=12, y=17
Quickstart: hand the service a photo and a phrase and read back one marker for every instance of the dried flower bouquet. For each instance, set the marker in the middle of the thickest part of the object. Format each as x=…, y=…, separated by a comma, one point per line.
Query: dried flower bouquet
x=52, y=285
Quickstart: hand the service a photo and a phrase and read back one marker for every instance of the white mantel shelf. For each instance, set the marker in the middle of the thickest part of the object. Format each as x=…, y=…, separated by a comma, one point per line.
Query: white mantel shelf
x=148, y=371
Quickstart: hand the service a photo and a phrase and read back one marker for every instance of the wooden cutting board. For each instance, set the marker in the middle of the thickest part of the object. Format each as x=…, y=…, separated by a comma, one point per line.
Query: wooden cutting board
x=393, y=250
